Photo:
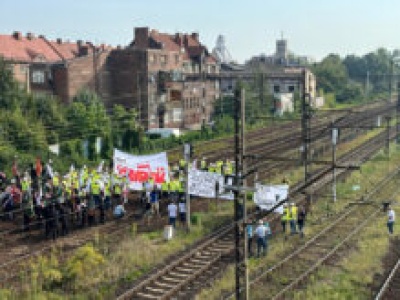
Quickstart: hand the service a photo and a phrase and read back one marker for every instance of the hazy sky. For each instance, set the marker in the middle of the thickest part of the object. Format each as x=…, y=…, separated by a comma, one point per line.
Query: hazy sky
x=312, y=27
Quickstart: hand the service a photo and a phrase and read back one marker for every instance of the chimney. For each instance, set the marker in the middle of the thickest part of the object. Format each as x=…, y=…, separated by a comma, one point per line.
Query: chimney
x=141, y=37
x=179, y=39
x=41, y=36
x=79, y=43
x=83, y=50
x=17, y=35
x=59, y=41
x=30, y=36
x=195, y=36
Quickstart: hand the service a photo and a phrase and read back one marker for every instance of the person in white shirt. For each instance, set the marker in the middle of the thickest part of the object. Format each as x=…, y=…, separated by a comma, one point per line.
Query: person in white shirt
x=391, y=217
x=172, y=213
x=182, y=212
x=261, y=235
x=119, y=211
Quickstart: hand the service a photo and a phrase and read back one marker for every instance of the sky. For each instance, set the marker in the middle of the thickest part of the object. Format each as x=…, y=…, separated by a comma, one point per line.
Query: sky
x=314, y=28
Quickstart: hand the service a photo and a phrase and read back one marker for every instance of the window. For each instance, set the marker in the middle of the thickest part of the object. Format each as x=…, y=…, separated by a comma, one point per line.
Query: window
x=291, y=88
x=163, y=59
x=176, y=58
x=152, y=58
x=38, y=77
x=177, y=114
x=276, y=89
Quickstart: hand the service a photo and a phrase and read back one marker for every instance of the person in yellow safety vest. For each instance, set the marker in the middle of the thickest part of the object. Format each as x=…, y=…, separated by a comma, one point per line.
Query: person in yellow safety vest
x=284, y=217
x=293, y=218
x=117, y=190
x=219, y=166
x=25, y=187
x=182, y=164
x=56, y=180
x=228, y=170
x=211, y=168
x=203, y=164
x=95, y=190
x=174, y=188
x=107, y=195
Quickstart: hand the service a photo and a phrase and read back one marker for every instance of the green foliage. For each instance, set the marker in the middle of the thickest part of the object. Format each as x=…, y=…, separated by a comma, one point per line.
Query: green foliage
x=84, y=263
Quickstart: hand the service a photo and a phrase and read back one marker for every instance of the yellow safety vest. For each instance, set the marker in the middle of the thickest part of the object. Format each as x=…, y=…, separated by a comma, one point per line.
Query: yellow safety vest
x=117, y=189
x=182, y=163
x=56, y=181
x=107, y=189
x=25, y=185
x=293, y=212
x=95, y=188
x=285, y=214
x=228, y=169
x=203, y=164
x=165, y=186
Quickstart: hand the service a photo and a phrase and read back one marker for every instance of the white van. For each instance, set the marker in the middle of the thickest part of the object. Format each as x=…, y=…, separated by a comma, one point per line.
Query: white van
x=164, y=132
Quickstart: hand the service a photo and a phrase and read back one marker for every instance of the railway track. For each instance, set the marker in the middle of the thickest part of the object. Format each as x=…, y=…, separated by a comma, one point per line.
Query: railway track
x=175, y=281
x=390, y=288
x=11, y=267
x=281, y=280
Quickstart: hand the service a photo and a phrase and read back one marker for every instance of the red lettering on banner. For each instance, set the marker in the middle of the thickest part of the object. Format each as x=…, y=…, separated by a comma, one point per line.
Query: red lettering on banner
x=142, y=173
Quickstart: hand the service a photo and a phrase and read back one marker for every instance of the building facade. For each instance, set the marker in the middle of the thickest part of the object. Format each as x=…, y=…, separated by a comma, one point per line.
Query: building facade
x=171, y=79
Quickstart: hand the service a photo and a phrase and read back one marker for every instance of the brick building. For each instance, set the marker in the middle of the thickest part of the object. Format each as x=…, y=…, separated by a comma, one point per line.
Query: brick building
x=170, y=79
x=56, y=67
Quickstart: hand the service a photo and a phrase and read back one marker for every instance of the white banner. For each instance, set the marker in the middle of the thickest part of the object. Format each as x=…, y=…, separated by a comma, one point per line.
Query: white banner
x=139, y=168
x=203, y=184
x=267, y=196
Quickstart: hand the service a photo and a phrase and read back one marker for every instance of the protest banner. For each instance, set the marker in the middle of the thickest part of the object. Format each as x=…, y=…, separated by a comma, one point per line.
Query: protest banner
x=203, y=184
x=140, y=168
x=267, y=196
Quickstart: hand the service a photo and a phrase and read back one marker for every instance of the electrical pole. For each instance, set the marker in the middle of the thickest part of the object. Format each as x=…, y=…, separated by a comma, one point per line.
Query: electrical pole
x=388, y=136
x=305, y=127
x=236, y=197
x=243, y=183
x=186, y=151
x=334, y=142
x=367, y=85
x=398, y=114
x=391, y=79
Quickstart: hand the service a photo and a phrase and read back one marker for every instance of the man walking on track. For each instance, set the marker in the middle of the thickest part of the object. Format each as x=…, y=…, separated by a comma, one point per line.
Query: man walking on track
x=391, y=217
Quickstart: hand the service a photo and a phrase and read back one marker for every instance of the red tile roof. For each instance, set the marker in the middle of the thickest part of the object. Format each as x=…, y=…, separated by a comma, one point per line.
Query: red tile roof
x=26, y=50
x=165, y=40
x=193, y=48
x=65, y=50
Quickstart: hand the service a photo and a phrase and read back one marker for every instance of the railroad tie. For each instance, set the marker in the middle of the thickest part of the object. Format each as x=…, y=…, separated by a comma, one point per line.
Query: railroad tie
x=145, y=296
x=198, y=261
x=164, y=284
x=192, y=265
x=171, y=279
x=185, y=270
x=176, y=274
x=155, y=290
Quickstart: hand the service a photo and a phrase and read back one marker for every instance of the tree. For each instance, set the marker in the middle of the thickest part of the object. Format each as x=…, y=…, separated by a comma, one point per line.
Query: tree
x=331, y=73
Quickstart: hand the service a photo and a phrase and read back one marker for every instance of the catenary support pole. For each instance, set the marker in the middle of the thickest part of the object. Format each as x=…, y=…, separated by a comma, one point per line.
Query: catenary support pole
x=243, y=183
x=236, y=197
x=186, y=153
x=334, y=142
x=398, y=114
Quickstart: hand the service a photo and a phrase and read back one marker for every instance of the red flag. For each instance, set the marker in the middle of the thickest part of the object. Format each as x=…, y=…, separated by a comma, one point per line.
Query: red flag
x=39, y=167
x=15, y=168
